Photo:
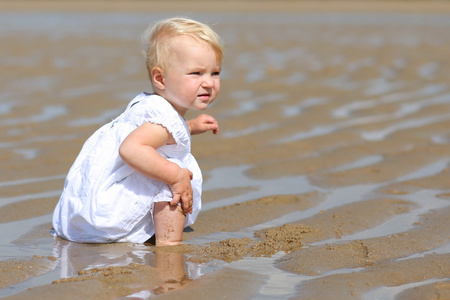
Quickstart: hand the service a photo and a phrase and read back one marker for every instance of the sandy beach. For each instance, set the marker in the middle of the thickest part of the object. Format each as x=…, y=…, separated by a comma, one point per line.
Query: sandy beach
x=329, y=178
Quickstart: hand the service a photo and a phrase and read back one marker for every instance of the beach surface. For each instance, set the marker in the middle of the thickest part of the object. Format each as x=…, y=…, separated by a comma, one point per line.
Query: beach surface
x=329, y=177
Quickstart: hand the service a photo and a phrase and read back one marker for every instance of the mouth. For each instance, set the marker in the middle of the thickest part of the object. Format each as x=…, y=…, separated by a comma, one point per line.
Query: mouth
x=204, y=96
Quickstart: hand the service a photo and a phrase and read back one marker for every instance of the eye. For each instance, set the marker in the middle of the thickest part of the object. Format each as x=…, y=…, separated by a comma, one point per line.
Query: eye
x=194, y=73
x=216, y=73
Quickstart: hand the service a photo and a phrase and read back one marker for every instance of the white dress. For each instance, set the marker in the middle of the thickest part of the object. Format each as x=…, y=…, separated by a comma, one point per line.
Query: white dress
x=104, y=200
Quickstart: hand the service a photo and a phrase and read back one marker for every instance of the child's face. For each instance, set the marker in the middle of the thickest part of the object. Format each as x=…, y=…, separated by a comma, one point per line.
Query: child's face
x=191, y=78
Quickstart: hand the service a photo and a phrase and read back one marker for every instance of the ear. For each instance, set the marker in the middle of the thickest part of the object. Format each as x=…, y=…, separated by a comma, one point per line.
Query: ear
x=157, y=75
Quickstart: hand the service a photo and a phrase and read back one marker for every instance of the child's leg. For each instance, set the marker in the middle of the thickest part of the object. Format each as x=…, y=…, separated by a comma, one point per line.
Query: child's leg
x=169, y=223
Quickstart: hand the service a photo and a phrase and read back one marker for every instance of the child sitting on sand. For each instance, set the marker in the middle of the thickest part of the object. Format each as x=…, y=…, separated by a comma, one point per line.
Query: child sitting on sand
x=135, y=177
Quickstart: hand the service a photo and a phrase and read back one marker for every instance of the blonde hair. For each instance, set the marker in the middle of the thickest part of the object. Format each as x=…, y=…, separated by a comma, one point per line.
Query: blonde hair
x=157, y=40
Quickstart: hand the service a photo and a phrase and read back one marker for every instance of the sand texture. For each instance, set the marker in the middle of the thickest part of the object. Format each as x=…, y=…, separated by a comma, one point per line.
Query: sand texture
x=329, y=179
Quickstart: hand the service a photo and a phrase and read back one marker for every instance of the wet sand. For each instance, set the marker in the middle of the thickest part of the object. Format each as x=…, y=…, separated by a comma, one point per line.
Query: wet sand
x=329, y=178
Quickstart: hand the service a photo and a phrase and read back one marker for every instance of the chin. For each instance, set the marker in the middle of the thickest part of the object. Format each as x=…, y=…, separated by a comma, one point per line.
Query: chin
x=203, y=106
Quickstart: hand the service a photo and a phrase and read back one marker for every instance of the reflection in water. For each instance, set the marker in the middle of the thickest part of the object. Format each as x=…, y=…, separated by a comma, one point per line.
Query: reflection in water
x=139, y=271
x=172, y=268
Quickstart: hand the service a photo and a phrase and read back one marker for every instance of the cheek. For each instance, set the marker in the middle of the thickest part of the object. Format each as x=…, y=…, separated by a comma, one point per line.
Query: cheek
x=217, y=85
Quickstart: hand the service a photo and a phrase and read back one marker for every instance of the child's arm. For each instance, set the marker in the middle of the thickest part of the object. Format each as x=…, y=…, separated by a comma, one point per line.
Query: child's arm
x=138, y=150
x=203, y=123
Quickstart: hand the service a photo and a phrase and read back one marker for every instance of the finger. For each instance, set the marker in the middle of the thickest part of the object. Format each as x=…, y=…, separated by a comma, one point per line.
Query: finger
x=175, y=200
x=187, y=203
x=212, y=126
x=186, y=208
x=207, y=118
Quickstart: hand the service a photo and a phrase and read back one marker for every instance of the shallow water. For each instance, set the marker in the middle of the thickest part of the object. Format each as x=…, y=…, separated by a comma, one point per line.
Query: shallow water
x=321, y=84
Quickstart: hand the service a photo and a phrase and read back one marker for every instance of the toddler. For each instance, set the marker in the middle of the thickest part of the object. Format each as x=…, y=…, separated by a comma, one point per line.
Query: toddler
x=135, y=177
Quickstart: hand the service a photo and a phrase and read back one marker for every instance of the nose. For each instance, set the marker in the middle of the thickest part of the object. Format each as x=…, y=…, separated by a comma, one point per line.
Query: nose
x=207, y=82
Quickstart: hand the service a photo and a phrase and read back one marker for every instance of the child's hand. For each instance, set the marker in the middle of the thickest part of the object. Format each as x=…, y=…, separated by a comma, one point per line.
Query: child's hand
x=202, y=124
x=182, y=191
